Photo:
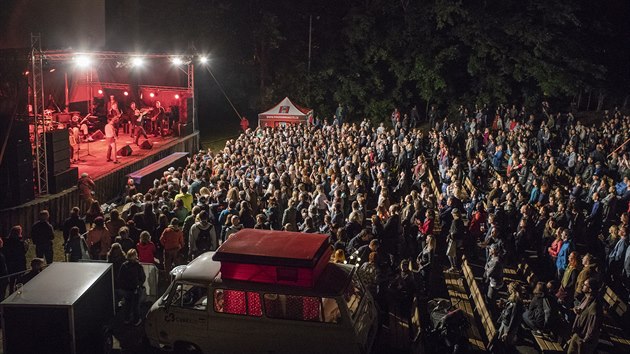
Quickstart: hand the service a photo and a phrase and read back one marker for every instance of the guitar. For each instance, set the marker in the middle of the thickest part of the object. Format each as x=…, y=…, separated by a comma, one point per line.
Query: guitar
x=141, y=113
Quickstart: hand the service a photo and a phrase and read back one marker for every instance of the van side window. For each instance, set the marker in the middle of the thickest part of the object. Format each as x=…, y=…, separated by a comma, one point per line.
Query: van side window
x=301, y=308
x=353, y=295
x=190, y=296
x=237, y=302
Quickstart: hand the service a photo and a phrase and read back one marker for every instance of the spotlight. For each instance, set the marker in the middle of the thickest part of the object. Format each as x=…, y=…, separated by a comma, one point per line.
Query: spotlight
x=176, y=96
x=203, y=59
x=83, y=60
x=100, y=92
x=26, y=73
x=137, y=61
x=152, y=95
x=177, y=61
x=126, y=93
x=52, y=70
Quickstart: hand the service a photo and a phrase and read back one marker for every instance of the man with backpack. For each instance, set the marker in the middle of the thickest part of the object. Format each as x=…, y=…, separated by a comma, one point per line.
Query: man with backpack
x=202, y=238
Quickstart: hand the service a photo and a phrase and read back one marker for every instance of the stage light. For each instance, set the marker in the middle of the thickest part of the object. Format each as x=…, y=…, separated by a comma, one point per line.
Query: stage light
x=176, y=96
x=52, y=70
x=100, y=92
x=83, y=60
x=26, y=73
x=137, y=61
x=203, y=59
x=177, y=61
x=126, y=93
x=151, y=95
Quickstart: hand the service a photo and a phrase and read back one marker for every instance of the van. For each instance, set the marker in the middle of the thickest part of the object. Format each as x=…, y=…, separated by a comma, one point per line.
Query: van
x=265, y=292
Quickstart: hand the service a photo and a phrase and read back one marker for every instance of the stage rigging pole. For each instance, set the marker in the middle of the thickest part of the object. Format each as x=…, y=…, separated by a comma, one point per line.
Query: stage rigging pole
x=37, y=87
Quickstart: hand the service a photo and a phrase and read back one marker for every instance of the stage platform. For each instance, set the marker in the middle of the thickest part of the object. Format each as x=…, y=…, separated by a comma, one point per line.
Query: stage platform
x=95, y=164
x=109, y=178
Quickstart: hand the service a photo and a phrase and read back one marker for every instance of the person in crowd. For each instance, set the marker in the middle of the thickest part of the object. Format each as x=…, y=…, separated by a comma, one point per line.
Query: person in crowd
x=72, y=221
x=124, y=240
x=511, y=316
x=131, y=279
x=569, y=280
x=14, y=251
x=99, y=240
x=76, y=248
x=367, y=273
x=493, y=274
x=37, y=265
x=146, y=248
x=116, y=257
x=115, y=223
x=203, y=237
x=588, y=322
x=172, y=241
x=86, y=188
x=235, y=226
x=563, y=255
x=42, y=234
x=93, y=212
x=589, y=270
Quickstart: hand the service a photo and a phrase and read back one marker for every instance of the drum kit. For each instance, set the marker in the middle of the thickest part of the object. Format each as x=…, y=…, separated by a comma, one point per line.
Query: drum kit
x=53, y=120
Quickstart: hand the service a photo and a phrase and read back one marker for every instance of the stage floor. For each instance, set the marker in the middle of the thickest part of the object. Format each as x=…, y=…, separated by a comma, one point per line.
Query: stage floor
x=95, y=164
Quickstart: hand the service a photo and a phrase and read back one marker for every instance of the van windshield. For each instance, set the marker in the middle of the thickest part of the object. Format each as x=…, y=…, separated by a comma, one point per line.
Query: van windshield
x=353, y=295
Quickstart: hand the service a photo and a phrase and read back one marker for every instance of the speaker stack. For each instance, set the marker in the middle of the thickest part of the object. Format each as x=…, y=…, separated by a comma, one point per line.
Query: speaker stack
x=60, y=175
x=16, y=170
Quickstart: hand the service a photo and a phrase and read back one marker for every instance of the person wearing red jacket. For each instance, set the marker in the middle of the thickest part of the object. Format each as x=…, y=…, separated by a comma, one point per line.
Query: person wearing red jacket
x=426, y=228
x=172, y=240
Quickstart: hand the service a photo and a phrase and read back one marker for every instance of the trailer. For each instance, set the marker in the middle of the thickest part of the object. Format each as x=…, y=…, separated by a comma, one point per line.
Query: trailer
x=67, y=308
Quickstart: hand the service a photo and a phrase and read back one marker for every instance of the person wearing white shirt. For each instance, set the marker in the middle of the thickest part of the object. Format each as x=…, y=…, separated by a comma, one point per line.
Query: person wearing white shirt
x=110, y=137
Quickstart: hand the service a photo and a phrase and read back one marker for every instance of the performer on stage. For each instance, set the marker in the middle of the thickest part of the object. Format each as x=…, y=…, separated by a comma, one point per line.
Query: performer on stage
x=112, y=105
x=138, y=121
x=156, y=120
x=110, y=137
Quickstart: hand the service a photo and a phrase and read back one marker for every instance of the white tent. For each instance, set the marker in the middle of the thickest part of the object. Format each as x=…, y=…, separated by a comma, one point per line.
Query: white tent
x=285, y=113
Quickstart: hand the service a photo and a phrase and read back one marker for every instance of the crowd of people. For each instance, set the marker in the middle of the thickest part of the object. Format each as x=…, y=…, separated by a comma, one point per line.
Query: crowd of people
x=545, y=186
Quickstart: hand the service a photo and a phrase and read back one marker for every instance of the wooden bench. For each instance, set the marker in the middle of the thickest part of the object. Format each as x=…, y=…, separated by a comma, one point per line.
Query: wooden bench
x=546, y=344
x=480, y=305
x=143, y=178
x=613, y=331
x=460, y=300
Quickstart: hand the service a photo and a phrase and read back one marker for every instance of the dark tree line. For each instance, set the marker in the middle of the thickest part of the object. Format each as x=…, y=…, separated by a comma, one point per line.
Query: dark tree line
x=373, y=55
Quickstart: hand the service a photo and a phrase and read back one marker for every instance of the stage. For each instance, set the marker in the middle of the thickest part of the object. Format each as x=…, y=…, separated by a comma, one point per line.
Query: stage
x=110, y=178
x=95, y=163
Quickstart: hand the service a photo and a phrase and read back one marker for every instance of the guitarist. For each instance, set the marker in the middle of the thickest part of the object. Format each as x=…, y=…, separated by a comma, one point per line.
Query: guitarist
x=138, y=121
x=158, y=117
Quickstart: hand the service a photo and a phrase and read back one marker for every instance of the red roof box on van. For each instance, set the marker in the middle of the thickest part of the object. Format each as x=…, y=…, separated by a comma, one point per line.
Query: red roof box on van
x=277, y=257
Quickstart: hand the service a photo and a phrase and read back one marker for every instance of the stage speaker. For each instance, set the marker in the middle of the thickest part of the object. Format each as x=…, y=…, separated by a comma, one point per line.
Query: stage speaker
x=97, y=135
x=16, y=175
x=146, y=145
x=63, y=180
x=186, y=115
x=184, y=129
x=16, y=167
x=57, y=151
x=124, y=151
